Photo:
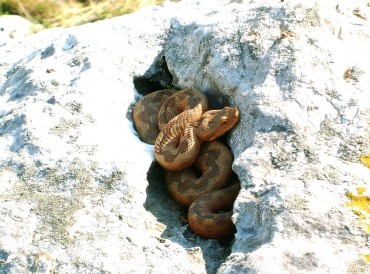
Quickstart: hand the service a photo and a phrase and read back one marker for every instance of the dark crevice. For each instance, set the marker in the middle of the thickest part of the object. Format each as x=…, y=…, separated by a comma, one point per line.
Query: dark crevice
x=174, y=217
x=159, y=202
x=156, y=78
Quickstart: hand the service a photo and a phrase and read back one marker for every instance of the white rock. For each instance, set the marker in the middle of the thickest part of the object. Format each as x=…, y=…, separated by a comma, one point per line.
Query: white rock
x=14, y=26
x=74, y=192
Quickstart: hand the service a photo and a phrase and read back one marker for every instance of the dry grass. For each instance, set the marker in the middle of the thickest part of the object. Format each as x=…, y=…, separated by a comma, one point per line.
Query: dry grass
x=65, y=13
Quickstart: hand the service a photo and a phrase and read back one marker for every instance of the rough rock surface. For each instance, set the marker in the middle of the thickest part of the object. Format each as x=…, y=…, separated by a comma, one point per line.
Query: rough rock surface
x=14, y=27
x=79, y=192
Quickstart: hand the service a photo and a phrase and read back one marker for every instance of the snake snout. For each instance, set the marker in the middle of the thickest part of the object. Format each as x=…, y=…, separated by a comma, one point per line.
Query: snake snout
x=232, y=111
x=231, y=116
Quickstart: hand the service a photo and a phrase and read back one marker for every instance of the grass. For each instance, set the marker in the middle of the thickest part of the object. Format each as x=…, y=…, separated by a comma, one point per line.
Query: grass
x=66, y=13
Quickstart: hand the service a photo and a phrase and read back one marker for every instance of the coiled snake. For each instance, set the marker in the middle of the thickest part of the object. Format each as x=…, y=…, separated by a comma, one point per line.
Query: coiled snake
x=198, y=168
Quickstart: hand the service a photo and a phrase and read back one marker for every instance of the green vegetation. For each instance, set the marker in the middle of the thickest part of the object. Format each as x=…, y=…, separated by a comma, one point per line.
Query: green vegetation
x=65, y=13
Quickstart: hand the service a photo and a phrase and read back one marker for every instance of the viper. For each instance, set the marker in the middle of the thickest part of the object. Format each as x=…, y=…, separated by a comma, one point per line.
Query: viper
x=198, y=168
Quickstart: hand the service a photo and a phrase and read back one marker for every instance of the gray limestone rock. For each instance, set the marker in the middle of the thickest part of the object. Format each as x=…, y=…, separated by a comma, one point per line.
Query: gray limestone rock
x=79, y=192
x=15, y=27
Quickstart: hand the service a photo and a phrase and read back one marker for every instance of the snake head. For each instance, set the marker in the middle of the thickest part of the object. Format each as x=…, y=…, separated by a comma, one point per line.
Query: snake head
x=215, y=123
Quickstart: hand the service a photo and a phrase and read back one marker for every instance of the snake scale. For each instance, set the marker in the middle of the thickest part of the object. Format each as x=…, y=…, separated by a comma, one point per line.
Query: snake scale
x=198, y=167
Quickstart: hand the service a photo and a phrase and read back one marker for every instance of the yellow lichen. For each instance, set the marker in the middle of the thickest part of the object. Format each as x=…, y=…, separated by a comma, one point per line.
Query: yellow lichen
x=367, y=257
x=360, y=205
x=365, y=160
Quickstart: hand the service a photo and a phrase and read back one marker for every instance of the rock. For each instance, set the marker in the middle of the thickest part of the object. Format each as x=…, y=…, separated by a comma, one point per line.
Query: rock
x=14, y=26
x=79, y=191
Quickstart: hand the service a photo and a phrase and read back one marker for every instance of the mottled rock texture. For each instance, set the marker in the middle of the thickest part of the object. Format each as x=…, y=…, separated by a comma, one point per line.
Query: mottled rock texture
x=79, y=193
x=16, y=27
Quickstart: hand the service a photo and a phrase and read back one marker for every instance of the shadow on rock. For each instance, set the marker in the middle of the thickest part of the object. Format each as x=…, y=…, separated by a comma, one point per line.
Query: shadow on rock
x=159, y=202
x=174, y=217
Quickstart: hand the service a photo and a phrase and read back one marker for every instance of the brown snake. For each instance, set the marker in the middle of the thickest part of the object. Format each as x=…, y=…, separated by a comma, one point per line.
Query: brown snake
x=197, y=175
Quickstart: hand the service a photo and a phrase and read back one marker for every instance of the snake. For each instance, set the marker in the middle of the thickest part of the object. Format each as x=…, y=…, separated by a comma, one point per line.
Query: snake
x=145, y=115
x=197, y=166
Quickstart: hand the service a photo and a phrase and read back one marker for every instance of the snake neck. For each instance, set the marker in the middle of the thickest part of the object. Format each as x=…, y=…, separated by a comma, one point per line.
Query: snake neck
x=173, y=138
x=178, y=153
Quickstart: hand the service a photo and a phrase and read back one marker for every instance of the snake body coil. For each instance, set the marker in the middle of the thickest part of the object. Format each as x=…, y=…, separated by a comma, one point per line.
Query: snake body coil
x=197, y=175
